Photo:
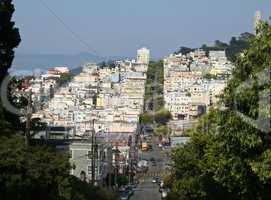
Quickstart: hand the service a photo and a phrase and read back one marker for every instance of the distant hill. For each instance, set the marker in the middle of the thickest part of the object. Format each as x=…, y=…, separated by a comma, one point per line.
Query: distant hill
x=27, y=63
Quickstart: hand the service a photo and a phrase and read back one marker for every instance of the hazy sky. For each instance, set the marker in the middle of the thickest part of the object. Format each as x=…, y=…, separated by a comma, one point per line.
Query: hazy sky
x=119, y=27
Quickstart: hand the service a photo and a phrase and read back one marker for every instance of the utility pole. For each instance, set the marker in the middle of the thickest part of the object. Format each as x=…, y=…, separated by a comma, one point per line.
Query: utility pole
x=28, y=118
x=130, y=167
x=131, y=157
x=116, y=164
x=93, y=152
x=110, y=167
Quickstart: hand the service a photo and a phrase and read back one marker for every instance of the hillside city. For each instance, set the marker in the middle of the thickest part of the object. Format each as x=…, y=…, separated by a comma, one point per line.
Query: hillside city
x=141, y=128
x=108, y=101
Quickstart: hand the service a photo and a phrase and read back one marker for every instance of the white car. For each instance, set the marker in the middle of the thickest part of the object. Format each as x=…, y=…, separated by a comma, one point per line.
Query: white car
x=164, y=194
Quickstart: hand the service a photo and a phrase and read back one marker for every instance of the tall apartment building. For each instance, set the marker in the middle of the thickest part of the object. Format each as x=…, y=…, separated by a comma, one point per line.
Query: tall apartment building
x=143, y=56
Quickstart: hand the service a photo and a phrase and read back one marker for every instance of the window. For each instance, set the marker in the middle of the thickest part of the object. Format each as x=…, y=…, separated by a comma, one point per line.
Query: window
x=89, y=169
x=89, y=155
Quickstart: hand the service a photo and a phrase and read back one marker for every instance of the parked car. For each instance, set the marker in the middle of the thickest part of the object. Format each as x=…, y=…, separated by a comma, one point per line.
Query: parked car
x=134, y=186
x=160, y=189
x=130, y=190
x=161, y=184
x=122, y=189
x=124, y=195
x=164, y=194
x=158, y=180
x=127, y=192
x=154, y=179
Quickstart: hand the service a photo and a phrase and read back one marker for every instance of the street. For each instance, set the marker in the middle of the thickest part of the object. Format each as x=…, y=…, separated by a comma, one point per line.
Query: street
x=146, y=189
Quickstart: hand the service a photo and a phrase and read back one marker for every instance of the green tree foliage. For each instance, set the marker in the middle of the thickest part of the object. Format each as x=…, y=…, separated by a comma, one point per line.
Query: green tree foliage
x=40, y=173
x=155, y=83
x=162, y=130
x=159, y=102
x=65, y=78
x=184, y=50
x=162, y=117
x=210, y=76
x=28, y=173
x=145, y=118
x=107, y=64
x=238, y=45
x=122, y=180
x=233, y=48
x=228, y=156
x=155, y=69
x=9, y=37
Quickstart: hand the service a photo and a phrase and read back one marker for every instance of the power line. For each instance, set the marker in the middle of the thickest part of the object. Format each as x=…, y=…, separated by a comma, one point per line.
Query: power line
x=68, y=28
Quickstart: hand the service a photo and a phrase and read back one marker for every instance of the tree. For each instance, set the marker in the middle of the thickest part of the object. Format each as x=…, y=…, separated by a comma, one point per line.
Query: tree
x=184, y=50
x=9, y=37
x=209, y=76
x=39, y=172
x=159, y=102
x=246, y=36
x=221, y=45
x=162, y=117
x=145, y=118
x=228, y=157
x=122, y=180
x=235, y=46
x=28, y=173
x=65, y=78
x=162, y=130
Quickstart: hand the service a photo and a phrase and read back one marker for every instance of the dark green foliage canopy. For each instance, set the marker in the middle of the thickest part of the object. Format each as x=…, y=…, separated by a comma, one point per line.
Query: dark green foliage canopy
x=184, y=50
x=233, y=48
x=145, y=118
x=122, y=180
x=229, y=156
x=65, y=78
x=162, y=117
x=9, y=37
x=40, y=173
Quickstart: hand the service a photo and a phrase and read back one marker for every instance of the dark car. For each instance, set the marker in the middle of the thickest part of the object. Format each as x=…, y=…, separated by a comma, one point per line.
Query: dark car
x=158, y=180
x=124, y=195
x=160, y=189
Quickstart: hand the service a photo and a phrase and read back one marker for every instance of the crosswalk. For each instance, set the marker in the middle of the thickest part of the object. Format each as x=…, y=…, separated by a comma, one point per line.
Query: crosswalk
x=153, y=174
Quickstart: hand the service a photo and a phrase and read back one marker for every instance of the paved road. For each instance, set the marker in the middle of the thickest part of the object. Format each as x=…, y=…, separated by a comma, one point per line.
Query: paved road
x=146, y=189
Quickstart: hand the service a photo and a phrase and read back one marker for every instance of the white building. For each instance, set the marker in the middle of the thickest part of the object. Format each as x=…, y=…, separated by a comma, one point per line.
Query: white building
x=143, y=55
x=187, y=94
